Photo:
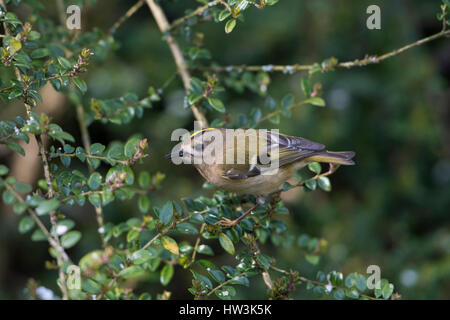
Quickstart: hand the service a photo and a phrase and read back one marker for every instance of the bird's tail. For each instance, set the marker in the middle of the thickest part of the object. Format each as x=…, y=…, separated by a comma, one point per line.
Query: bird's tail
x=344, y=157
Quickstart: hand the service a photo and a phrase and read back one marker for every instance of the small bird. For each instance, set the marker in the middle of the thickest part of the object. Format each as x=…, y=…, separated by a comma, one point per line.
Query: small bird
x=229, y=159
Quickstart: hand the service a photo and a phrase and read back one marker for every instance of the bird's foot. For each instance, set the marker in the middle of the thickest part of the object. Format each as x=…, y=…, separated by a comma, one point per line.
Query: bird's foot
x=224, y=222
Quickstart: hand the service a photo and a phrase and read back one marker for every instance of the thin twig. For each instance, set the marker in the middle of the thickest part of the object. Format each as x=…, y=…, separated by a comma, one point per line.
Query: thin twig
x=197, y=243
x=126, y=16
x=164, y=231
x=277, y=112
x=317, y=283
x=195, y=12
x=86, y=139
x=54, y=241
x=164, y=26
x=369, y=59
x=72, y=155
x=224, y=284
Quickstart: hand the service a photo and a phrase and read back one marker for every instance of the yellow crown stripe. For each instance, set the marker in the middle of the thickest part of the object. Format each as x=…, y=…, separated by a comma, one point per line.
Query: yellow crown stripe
x=200, y=131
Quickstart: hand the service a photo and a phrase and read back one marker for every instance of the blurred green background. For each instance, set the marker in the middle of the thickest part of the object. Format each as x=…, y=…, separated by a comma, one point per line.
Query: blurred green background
x=391, y=209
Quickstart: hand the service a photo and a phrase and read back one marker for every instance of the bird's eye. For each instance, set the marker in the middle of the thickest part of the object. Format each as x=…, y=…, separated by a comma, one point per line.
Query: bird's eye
x=180, y=154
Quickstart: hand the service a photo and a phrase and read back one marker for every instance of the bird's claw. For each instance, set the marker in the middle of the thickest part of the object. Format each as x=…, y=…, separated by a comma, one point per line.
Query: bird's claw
x=225, y=222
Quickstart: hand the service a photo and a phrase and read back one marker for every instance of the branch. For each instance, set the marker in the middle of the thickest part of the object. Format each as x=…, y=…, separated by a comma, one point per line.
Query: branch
x=53, y=241
x=164, y=26
x=224, y=284
x=87, y=146
x=349, y=64
x=73, y=155
x=198, y=11
x=197, y=243
x=277, y=112
x=126, y=16
x=165, y=231
x=318, y=283
x=48, y=179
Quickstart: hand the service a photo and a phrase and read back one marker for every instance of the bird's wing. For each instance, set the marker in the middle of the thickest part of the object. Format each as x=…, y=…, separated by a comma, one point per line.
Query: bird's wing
x=239, y=172
x=288, y=149
x=282, y=148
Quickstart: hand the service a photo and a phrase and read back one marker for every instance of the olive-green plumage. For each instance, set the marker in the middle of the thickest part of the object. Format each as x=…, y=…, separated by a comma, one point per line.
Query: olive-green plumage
x=259, y=166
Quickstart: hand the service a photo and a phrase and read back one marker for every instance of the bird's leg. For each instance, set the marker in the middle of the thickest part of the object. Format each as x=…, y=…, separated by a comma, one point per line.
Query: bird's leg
x=224, y=222
x=332, y=169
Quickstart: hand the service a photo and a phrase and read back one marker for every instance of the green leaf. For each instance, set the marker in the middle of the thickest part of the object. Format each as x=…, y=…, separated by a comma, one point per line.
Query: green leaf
x=62, y=226
x=70, y=239
x=38, y=235
x=14, y=146
x=361, y=282
x=26, y=224
x=240, y=280
x=14, y=46
x=94, y=163
x=226, y=243
x=217, y=275
x=350, y=280
x=205, y=249
x=132, y=235
x=313, y=259
x=166, y=274
x=90, y=286
x=287, y=101
x=40, y=53
x=226, y=293
x=187, y=228
x=316, y=101
x=217, y=104
x=386, y=289
x=95, y=199
x=306, y=86
x=324, y=183
x=20, y=207
x=352, y=293
x=95, y=181
x=129, y=272
x=275, y=119
x=203, y=280
x=97, y=149
x=22, y=187
x=229, y=26
x=141, y=256
x=8, y=197
x=81, y=154
x=65, y=161
x=339, y=294
x=64, y=62
x=287, y=186
x=264, y=261
x=3, y=170
x=80, y=83
x=311, y=184
x=315, y=167
x=143, y=203
x=131, y=147
x=47, y=206
x=144, y=180
x=166, y=213
x=224, y=14
x=170, y=244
